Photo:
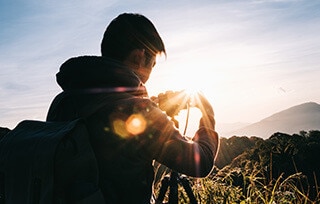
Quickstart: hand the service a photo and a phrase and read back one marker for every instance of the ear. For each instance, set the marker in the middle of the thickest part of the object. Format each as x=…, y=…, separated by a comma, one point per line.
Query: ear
x=137, y=57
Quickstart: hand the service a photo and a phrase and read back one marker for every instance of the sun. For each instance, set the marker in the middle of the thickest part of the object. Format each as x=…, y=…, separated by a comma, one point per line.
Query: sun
x=178, y=78
x=191, y=77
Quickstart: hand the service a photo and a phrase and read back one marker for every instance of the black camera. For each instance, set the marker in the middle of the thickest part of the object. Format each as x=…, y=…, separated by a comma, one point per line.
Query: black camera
x=173, y=101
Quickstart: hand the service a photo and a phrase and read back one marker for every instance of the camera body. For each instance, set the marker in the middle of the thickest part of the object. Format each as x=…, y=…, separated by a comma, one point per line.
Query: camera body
x=173, y=101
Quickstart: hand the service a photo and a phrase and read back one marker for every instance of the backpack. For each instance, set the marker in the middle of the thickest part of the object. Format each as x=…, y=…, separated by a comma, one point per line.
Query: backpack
x=48, y=163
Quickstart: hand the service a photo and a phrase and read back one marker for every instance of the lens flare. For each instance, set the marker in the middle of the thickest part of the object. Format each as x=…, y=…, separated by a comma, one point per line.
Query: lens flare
x=136, y=124
x=130, y=126
x=119, y=127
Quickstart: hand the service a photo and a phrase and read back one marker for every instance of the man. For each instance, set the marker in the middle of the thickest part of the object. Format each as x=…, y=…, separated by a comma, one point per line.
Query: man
x=127, y=130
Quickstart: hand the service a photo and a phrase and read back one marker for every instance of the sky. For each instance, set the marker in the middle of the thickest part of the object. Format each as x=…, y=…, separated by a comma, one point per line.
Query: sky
x=250, y=58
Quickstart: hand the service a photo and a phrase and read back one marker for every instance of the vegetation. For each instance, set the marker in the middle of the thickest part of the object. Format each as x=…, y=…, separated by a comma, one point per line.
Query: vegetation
x=3, y=131
x=282, y=169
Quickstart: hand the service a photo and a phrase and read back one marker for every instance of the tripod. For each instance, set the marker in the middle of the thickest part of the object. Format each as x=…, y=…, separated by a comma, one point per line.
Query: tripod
x=171, y=181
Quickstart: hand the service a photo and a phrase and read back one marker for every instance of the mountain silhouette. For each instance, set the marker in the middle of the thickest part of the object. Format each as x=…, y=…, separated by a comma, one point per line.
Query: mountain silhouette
x=303, y=117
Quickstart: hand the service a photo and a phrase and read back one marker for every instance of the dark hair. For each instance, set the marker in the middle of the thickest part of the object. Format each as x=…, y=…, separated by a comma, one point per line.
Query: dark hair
x=130, y=31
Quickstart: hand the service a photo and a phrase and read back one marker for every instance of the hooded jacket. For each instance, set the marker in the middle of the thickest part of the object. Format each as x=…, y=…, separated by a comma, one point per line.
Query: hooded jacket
x=127, y=131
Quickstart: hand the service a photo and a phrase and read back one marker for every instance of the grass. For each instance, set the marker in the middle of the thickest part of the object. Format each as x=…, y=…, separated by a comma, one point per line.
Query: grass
x=248, y=186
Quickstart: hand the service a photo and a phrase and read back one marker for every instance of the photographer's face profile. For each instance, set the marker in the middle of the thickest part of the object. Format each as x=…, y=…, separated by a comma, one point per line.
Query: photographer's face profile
x=143, y=64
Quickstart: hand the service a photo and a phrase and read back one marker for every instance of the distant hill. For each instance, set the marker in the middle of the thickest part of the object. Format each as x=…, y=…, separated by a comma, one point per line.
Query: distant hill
x=292, y=120
x=226, y=129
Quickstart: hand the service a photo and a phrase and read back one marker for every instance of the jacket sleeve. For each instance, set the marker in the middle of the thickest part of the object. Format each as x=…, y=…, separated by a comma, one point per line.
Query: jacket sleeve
x=191, y=157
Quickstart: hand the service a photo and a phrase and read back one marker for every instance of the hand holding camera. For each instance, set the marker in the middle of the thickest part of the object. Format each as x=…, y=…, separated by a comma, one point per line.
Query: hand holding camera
x=173, y=101
x=206, y=109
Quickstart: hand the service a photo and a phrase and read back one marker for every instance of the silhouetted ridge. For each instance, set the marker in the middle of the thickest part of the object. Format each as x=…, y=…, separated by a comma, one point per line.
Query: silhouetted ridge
x=299, y=110
x=303, y=117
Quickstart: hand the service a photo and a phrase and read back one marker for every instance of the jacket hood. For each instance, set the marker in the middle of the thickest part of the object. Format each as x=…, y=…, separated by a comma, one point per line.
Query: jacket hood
x=88, y=72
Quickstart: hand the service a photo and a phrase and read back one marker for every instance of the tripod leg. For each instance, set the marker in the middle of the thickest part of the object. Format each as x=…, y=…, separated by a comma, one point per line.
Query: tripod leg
x=186, y=185
x=173, y=195
x=164, y=187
